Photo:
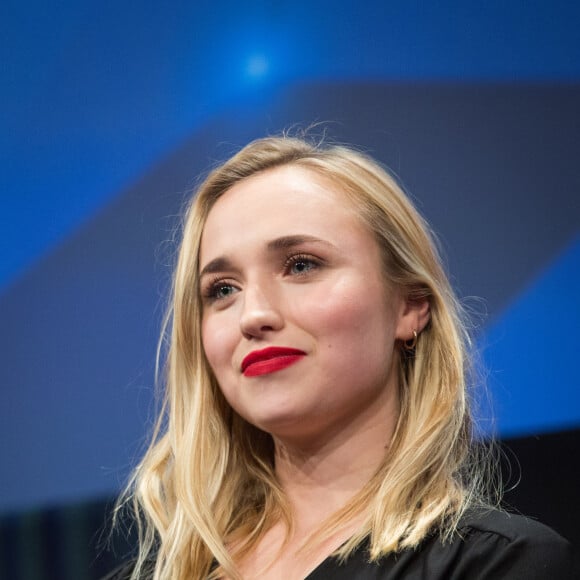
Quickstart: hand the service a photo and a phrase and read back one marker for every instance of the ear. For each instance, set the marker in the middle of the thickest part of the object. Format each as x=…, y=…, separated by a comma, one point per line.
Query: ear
x=414, y=315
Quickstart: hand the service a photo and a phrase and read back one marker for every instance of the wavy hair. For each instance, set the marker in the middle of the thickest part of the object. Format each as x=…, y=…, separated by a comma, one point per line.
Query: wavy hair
x=207, y=480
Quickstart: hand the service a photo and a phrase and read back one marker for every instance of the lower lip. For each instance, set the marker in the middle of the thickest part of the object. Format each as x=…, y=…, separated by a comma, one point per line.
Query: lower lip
x=271, y=365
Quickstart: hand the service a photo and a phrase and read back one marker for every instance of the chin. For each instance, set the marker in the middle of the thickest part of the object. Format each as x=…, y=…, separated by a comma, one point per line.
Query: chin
x=279, y=423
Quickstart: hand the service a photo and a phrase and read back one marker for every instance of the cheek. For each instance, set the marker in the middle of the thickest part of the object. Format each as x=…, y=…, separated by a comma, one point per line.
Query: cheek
x=346, y=309
x=218, y=342
x=350, y=315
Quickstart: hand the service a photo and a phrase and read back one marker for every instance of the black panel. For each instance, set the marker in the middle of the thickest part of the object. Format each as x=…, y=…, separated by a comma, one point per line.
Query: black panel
x=544, y=472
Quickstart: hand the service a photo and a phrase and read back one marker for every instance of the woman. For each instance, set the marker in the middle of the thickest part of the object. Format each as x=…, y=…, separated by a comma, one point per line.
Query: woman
x=316, y=422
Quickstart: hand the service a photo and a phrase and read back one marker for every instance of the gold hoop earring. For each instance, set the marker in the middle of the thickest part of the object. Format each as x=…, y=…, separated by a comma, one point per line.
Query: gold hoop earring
x=412, y=342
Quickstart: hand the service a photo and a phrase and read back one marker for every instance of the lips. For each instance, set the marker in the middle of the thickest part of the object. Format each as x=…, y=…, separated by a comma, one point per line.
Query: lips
x=270, y=360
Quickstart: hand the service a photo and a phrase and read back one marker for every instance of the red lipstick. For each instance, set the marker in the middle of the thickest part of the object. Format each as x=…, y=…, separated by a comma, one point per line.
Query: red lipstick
x=270, y=360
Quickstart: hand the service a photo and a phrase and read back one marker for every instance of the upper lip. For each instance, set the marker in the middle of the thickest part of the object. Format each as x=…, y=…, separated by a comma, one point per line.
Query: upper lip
x=268, y=353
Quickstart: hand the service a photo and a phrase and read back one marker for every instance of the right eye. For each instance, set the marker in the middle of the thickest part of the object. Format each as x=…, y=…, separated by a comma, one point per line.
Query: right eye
x=219, y=290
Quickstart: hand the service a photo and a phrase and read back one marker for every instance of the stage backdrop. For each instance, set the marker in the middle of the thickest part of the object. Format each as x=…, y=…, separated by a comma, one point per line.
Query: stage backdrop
x=110, y=112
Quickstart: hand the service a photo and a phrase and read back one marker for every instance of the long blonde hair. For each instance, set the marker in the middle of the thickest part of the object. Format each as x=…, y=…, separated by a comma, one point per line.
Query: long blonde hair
x=208, y=476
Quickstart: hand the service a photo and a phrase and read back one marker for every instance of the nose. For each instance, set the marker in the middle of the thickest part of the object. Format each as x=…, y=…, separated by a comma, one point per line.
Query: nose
x=260, y=313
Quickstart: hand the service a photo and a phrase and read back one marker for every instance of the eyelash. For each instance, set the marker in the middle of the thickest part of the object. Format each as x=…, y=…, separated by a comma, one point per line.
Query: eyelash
x=213, y=287
x=210, y=292
x=294, y=259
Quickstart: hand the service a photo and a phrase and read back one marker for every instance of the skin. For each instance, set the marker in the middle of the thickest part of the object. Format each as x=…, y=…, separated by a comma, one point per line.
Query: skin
x=286, y=261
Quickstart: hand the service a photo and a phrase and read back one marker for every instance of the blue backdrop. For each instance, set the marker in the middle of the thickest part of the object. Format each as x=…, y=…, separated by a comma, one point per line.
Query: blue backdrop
x=108, y=112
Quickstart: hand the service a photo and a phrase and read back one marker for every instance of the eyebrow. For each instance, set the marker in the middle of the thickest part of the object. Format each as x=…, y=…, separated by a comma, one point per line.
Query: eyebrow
x=286, y=242
x=217, y=265
x=283, y=243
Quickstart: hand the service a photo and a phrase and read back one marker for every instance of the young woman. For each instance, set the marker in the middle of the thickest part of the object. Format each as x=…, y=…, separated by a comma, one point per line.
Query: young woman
x=316, y=422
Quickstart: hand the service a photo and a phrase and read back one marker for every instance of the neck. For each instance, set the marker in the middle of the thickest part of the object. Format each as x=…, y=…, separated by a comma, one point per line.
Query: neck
x=321, y=475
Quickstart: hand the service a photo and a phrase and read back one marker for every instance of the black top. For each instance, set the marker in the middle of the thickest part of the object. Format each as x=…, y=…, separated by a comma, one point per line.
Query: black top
x=490, y=545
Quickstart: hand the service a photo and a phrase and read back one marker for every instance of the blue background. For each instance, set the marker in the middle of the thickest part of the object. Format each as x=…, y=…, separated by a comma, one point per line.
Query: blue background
x=109, y=111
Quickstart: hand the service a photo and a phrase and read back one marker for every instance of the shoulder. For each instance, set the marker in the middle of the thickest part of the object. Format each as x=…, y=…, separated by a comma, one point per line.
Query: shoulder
x=509, y=526
x=488, y=545
x=496, y=544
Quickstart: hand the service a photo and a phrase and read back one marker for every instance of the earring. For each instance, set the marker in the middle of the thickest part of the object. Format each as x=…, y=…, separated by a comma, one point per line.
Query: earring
x=411, y=343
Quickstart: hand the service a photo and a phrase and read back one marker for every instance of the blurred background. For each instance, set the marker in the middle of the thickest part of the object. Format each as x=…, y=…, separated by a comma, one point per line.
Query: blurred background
x=110, y=111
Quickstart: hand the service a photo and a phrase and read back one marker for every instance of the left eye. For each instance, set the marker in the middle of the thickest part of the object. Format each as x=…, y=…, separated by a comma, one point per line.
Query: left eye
x=300, y=265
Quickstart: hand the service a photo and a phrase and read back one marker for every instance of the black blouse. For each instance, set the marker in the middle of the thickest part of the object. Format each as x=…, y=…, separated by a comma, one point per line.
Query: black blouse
x=489, y=545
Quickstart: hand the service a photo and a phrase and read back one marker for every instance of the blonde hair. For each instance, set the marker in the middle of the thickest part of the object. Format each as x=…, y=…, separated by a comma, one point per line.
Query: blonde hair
x=208, y=478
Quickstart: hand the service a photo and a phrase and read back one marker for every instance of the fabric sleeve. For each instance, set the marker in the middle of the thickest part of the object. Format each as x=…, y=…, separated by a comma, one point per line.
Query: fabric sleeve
x=542, y=555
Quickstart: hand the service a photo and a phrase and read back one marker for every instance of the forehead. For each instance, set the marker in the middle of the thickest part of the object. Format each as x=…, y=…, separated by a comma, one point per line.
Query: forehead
x=286, y=186
x=284, y=201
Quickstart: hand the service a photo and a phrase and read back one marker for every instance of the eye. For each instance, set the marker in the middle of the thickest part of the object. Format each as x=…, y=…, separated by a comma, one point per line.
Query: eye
x=219, y=290
x=300, y=264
